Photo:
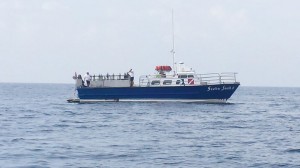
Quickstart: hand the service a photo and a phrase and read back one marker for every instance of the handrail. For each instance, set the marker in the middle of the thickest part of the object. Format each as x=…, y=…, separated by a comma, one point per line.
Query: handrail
x=110, y=77
x=198, y=79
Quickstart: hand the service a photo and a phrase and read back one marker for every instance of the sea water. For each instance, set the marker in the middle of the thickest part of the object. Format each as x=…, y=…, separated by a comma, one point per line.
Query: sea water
x=260, y=127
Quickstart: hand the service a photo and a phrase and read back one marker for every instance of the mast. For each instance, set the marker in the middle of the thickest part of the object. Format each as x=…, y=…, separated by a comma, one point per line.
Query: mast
x=173, y=44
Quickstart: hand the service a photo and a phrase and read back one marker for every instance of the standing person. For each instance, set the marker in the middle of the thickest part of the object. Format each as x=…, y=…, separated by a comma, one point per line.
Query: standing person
x=87, y=79
x=131, y=74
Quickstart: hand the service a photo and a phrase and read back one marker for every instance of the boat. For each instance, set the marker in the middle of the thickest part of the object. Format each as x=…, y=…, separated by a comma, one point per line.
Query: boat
x=180, y=83
x=176, y=83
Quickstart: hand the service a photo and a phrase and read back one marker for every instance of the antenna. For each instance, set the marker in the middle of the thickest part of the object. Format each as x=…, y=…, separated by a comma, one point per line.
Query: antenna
x=173, y=49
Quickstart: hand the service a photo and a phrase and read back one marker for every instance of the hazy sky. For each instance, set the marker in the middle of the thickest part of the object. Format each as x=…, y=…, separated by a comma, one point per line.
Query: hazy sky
x=46, y=41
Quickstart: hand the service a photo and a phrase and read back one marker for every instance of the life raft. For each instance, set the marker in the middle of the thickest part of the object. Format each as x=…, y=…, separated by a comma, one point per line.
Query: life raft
x=163, y=68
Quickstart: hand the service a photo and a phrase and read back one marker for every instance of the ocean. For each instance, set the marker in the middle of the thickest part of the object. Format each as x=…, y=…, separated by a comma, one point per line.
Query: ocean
x=259, y=127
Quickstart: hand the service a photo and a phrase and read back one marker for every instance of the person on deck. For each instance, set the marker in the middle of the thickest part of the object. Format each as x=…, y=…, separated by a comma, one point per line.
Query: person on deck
x=131, y=74
x=80, y=78
x=87, y=79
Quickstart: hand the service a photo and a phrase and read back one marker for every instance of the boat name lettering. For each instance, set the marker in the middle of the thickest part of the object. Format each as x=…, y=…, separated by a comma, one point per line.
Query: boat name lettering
x=215, y=88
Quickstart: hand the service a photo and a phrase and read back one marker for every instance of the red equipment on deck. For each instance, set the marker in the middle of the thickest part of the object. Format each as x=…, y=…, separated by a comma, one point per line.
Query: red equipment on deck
x=163, y=68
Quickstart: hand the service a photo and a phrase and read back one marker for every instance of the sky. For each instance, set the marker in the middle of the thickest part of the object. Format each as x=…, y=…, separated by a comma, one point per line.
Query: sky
x=47, y=41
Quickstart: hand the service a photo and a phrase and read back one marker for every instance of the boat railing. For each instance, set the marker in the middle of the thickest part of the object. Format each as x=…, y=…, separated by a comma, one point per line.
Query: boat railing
x=196, y=79
x=217, y=78
x=110, y=77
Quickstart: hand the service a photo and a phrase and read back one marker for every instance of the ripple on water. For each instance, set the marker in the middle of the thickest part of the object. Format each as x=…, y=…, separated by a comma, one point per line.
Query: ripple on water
x=296, y=150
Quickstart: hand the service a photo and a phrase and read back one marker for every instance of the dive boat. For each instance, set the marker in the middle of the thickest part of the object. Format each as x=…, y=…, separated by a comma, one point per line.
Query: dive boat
x=182, y=84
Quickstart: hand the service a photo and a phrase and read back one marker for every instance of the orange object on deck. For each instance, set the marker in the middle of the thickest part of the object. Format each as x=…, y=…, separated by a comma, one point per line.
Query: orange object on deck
x=163, y=68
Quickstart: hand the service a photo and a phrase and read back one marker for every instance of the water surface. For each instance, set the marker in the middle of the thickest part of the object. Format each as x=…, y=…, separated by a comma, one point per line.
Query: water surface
x=260, y=127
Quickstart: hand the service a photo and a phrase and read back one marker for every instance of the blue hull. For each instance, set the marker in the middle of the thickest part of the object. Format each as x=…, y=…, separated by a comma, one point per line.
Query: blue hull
x=204, y=92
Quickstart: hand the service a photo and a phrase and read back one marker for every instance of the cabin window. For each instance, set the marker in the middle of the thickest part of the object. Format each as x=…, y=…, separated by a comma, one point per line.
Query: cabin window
x=190, y=76
x=177, y=82
x=182, y=76
x=167, y=82
x=155, y=82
